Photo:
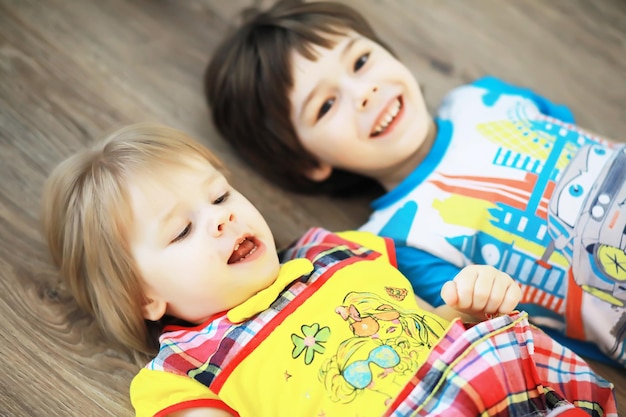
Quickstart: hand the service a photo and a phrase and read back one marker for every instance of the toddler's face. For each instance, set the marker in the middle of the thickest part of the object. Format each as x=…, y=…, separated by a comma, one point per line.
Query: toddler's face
x=200, y=246
x=357, y=107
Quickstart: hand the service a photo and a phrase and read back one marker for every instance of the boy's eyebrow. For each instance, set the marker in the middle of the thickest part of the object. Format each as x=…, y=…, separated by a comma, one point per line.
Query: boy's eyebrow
x=343, y=54
x=348, y=46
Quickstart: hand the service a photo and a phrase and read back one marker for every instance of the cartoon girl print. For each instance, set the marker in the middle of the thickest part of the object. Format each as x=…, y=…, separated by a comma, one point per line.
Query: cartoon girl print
x=387, y=348
x=363, y=365
x=369, y=315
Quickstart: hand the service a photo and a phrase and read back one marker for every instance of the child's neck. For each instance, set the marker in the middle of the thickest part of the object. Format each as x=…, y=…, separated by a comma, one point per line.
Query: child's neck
x=391, y=181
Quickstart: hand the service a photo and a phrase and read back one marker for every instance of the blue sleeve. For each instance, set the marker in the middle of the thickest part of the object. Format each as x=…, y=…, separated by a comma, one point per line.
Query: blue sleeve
x=496, y=87
x=426, y=272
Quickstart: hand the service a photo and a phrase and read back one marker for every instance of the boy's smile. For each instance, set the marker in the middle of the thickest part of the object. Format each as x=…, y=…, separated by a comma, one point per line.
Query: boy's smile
x=201, y=248
x=390, y=114
x=356, y=107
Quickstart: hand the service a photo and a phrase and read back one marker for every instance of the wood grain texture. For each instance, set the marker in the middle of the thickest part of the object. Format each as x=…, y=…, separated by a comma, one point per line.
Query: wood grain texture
x=72, y=70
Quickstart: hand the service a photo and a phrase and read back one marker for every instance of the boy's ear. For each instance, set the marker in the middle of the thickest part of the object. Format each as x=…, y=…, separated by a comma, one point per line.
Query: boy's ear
x=320, y=173
x=154, y=310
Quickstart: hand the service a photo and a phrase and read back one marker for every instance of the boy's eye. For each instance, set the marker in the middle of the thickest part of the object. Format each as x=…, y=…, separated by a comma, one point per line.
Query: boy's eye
x=325, y=108
x=361, y=61
x=183, y=234
x=221, y=198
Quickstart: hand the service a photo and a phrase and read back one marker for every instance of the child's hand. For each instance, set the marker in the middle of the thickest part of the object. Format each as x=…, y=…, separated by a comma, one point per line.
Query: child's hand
x=482, y=289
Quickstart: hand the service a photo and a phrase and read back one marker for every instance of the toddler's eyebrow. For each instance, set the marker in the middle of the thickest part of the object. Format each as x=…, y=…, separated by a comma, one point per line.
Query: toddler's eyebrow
x=171, y=210
x=167, y=214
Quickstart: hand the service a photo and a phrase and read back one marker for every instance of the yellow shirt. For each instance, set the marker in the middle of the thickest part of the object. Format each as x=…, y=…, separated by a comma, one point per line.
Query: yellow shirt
x=342, y=342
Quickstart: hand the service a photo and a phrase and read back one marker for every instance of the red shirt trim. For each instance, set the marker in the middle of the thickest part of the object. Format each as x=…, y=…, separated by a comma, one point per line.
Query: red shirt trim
x=199, y=403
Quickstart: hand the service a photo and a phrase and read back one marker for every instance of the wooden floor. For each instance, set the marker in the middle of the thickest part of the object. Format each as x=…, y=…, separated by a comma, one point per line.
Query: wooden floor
x=71, y=70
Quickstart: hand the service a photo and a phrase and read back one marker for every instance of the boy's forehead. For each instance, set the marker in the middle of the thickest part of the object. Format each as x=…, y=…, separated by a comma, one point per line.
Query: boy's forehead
x=339, y=44
x=307, y=73
x=336, y=41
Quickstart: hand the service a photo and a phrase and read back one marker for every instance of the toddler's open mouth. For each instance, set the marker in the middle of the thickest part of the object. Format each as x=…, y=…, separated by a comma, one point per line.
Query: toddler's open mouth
x=245, y=247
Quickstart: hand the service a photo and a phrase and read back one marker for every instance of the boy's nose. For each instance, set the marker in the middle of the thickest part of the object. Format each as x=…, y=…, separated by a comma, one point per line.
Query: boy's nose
x=221, y=223
x=366, y=98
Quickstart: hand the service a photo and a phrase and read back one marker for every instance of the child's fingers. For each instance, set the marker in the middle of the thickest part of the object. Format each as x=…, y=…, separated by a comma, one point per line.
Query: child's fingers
x=484, y=295
x=475, y=283
x=465, y=282
x=449, y=294
x=500, y=285
x=482, y=289
x=511, y=299
x=505, y=294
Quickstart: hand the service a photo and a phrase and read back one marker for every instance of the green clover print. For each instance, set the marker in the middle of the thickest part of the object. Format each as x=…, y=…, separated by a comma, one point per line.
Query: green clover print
x=310, y=343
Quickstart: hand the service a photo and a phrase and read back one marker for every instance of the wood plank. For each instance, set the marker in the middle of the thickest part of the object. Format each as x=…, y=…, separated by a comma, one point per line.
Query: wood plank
x=72, y=70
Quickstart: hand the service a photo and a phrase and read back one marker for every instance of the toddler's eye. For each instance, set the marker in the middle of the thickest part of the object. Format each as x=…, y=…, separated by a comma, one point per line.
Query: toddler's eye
x=183, y=234
x=325, y=108
x=361, y=61
x=221, y=198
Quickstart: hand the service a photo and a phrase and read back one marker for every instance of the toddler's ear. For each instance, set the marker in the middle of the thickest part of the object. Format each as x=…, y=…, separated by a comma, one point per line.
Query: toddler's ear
x=320, y=173
x=154, y=310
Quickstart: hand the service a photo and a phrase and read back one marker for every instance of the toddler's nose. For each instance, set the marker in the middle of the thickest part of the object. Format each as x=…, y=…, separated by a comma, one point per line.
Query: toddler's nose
x=221, y=224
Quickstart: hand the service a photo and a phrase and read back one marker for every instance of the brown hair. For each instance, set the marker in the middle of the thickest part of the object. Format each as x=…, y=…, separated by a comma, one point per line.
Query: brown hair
x=248, y=80
x=85, y=217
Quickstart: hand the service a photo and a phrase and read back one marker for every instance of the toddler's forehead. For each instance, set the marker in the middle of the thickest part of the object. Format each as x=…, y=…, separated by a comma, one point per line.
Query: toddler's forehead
x=175, y=163
x=166, y=173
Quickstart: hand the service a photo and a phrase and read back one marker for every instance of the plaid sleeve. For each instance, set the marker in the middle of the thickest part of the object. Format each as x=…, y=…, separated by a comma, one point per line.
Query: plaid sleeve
x=503, y=367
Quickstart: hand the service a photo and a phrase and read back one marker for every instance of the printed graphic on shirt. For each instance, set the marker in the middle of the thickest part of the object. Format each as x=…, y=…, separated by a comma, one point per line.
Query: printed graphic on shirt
x=388, y=345
x=542, y=229
x=542, y=200
x=587, y=221
x=310, y=342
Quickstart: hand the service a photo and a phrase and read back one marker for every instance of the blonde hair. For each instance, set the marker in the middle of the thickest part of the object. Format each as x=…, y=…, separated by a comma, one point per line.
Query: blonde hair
x=86, y=214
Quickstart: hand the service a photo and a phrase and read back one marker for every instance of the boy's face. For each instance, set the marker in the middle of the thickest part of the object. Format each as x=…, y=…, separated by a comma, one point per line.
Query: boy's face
x=200, y=246
x=358, y=108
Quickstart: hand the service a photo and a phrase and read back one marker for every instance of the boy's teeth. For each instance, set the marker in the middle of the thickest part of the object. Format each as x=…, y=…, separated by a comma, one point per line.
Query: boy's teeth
x=394, y=109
